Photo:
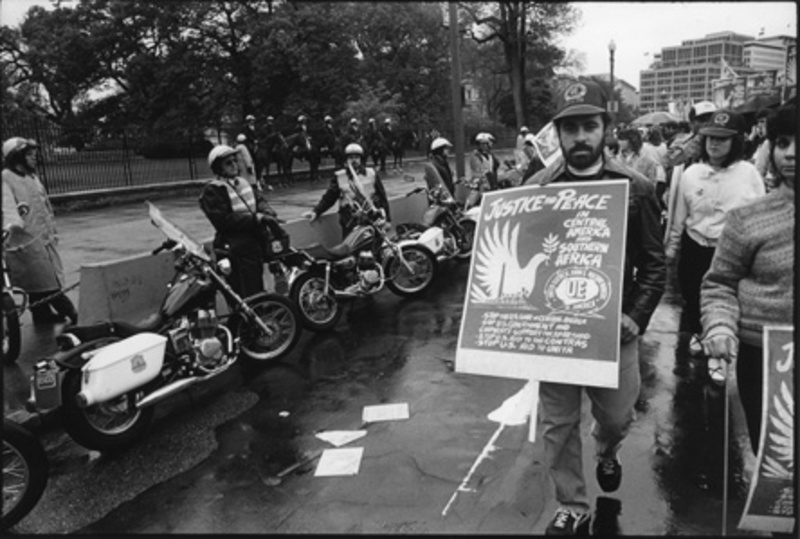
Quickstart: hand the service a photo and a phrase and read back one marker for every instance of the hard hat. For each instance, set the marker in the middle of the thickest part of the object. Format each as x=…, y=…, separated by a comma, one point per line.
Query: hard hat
x=354, y=149
x=249, y=117
x=530, y=137
x=440, y=142
x=328, y=119
x=17, y=144
x=241, y=137
x=219, y=152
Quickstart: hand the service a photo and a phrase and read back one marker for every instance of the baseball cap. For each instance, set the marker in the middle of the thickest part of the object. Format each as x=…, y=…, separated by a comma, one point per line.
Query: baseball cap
x=580, y=99
x=724, y=123
x=702, y=108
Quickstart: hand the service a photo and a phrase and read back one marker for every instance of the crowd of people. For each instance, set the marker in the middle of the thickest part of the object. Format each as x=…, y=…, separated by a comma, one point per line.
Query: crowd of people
x=710, y=198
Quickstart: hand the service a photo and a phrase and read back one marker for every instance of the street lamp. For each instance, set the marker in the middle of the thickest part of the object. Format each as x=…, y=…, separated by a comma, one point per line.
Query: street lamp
x=611, y=48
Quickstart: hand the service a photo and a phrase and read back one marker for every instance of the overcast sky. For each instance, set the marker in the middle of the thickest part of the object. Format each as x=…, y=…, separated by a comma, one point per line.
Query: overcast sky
x=639, y=29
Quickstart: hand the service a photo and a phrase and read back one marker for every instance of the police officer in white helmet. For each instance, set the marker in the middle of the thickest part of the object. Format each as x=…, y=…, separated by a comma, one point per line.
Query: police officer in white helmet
x=365, y=189
x=240, y=216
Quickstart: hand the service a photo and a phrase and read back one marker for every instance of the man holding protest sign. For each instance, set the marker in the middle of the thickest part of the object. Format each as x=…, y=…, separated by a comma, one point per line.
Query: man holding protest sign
x=581, y=123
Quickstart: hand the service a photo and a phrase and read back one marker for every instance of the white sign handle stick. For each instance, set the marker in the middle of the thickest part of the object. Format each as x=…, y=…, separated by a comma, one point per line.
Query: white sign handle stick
x=534, y=410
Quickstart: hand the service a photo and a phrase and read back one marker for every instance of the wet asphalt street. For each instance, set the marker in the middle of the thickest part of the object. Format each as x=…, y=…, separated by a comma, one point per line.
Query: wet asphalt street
x=238, y=454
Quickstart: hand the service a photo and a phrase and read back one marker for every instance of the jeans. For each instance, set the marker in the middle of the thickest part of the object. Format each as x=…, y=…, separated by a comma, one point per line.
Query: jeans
x=613, y=413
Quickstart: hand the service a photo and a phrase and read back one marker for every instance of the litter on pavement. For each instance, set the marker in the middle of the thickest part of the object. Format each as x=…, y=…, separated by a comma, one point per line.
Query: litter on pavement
x=335, y=462
x=385, y=412
x=341, y=437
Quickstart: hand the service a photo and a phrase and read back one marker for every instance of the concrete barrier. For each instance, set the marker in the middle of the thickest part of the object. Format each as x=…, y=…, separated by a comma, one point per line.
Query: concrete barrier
x=132, y=289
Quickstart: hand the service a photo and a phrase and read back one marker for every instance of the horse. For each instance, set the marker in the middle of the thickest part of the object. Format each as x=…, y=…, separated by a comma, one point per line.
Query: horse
x=377, y=149
x=301, y=145
x=405, y=140
x=273, y=149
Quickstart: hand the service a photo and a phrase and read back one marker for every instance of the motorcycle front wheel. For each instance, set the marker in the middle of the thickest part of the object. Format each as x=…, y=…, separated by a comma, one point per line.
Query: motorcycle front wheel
x=466, y=239
x=105, y=426
x=11, y=330
x=279, y=314
x=25, y=469
x=407, y=283
x=318, y=310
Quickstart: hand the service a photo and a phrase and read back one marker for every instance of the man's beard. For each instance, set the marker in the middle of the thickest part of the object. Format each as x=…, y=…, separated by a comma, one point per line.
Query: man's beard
x=583, y=160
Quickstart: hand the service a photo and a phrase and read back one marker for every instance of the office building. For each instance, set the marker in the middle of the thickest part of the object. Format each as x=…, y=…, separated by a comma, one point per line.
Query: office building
x=684, y=73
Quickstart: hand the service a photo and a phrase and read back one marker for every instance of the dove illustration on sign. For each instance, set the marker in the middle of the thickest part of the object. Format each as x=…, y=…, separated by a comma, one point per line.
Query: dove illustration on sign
x=499, y=276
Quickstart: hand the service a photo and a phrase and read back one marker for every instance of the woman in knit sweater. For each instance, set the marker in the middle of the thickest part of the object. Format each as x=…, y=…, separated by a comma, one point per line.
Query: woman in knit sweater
x=751, y=280
x=707, y=191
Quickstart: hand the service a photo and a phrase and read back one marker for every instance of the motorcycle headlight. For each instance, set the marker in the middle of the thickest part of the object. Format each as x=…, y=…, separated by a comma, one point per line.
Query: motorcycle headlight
x=224, y=266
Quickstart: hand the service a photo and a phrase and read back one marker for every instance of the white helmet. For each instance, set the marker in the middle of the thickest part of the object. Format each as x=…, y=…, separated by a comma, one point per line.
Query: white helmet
x=354, y=121
x=530, y=137
x=241, y=137
x=270, y=118
x=440, y=142
x=219, y=152
x=523, y=129
x=17, y=144
x=354, y=149
x=249, y=117
x=328, y=119
x=387, y=121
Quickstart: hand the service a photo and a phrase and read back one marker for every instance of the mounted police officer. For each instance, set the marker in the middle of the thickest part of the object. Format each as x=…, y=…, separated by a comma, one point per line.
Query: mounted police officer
x=363, y=189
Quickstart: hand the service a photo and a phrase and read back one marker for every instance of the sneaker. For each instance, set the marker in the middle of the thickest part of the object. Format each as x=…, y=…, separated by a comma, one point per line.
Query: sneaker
x=566, y=522
x=695, y=347
x=609, y=474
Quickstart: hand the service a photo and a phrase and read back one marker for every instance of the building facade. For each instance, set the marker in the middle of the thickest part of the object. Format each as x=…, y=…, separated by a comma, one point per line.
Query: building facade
x=685, y=73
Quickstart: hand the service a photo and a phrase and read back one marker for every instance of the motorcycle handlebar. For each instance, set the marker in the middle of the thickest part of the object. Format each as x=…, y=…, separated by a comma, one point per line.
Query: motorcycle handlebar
x=415, y=191
x=168, y=244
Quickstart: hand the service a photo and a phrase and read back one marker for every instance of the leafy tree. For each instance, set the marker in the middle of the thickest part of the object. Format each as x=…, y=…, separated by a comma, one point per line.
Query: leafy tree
x=525, y=30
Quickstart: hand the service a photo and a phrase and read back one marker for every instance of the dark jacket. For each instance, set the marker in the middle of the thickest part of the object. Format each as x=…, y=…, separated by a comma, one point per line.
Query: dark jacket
x=239, y=230
x=445, y=172
x=645, y=269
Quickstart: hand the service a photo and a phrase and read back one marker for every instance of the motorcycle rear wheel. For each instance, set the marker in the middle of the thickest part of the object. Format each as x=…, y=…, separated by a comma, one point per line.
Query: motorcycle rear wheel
x=12, y=339
x=318, y=311
x=105, y=426
x=280, y=315
x=401, y=281
x=25, y=471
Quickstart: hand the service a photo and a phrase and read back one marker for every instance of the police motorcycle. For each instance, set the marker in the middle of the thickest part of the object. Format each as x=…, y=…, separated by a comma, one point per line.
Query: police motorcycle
x=25, y=472
x=458, y=226
x=106, y=377
x=362, y=264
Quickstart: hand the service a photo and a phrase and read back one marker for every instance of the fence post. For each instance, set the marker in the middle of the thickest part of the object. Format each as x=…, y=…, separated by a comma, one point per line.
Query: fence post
x=126, y=158
x=192, y=167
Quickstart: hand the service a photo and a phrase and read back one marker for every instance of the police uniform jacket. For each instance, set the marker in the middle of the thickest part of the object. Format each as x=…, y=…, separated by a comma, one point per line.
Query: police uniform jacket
x=645, y=268
x=234, y=219
x=341, y=189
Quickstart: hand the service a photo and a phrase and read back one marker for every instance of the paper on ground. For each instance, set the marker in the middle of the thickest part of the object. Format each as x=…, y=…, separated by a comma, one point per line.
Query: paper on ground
x=341, y=437
x=335, y=462
x=385, y=412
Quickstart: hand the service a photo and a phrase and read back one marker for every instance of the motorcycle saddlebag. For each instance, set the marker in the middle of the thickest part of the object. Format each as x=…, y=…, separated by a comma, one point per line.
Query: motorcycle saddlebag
x=122, y=366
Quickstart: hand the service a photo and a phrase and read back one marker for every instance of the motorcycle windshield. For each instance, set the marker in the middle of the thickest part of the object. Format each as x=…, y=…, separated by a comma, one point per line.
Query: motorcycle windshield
x=173, y=232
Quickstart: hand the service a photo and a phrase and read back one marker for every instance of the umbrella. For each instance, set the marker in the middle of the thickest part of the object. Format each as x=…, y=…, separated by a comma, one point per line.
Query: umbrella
x=759, y=102
x=656, y=118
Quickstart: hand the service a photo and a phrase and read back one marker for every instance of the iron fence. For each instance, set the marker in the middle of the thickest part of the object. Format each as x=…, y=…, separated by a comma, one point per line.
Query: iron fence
x=81, y=159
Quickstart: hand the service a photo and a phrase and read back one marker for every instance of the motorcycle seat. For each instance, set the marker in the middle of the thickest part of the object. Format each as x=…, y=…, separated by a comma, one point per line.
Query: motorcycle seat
x=319, y=251
x=75, y=335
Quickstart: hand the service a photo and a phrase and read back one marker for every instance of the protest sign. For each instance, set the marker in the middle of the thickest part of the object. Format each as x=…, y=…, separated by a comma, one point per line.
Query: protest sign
x=771, y=504
x=547, y=145
x=545, y=284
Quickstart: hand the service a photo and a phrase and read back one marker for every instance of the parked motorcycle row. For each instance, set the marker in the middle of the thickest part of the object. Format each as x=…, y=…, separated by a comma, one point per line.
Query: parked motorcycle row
x=106, y=378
